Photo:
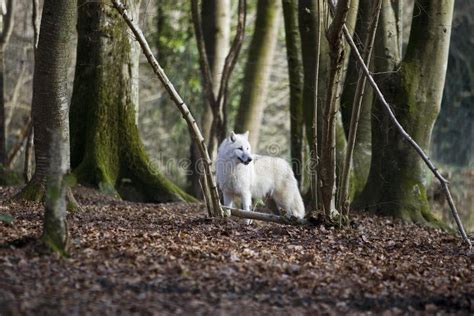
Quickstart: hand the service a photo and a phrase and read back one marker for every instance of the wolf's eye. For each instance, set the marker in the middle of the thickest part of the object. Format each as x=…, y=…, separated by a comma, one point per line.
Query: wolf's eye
x=240, y=148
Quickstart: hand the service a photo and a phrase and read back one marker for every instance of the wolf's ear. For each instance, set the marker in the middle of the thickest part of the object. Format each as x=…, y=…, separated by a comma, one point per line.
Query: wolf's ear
x=232, y=136
x=246, y=135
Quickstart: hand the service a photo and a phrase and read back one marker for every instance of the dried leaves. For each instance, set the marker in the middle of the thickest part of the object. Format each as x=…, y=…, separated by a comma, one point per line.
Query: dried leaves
x=168, y=259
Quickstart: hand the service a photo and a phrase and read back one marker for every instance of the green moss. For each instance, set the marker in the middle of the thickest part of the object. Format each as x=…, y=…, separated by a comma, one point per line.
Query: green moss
x=55, y=243
x=8, y=177
x=33, y=191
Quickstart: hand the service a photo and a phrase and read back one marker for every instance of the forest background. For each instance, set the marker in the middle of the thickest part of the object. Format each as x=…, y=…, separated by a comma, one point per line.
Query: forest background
x=168, y=25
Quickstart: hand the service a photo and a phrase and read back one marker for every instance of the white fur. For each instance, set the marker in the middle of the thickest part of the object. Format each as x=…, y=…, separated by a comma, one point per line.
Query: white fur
x=240, y=174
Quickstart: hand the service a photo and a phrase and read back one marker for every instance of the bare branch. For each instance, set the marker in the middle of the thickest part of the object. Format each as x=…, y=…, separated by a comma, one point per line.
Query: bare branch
x=13, y=154
x=20, y=82
x=8, y=24
x=27, y=166
x=314, y=127
x=34, y=22
x=182, y=107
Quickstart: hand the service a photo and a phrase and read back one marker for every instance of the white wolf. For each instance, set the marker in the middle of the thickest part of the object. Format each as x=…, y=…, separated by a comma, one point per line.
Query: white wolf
x=240, y=174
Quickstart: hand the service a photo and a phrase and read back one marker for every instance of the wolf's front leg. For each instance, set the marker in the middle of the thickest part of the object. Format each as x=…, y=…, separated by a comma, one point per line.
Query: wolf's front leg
x=246, y=201
x=228, y=199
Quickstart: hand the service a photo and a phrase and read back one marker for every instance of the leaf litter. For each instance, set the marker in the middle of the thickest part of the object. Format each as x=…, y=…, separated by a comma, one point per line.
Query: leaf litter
x=167, y=259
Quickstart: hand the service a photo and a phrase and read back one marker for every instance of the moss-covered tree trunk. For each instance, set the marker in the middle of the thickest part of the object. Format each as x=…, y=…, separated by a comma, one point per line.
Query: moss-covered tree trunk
x=55, y=229
x=362, y=149
x=295, y=73
x=106, y=150
x=49, y=109
x=258, y=68
x=414, y=86
x=50, y=105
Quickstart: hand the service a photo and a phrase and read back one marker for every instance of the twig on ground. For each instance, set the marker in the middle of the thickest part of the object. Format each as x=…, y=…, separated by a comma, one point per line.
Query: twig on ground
x=266, y=217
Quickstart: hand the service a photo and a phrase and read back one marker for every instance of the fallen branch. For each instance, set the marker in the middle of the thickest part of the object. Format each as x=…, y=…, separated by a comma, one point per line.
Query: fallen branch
x=182, y=107
x=419, y=150
x=266, y=217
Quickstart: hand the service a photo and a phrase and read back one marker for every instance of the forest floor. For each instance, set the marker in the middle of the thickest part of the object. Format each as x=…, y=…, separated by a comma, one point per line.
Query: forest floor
x=131, y=258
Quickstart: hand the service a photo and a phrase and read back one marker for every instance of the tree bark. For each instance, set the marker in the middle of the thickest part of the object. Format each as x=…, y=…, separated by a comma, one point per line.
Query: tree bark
x=49, y=108
x=216, y=32
x=328, y=145
x=6, y=28
x=295, y=72
x=414, y=87
x=55, y=229
x=50, y=105
x=106, y=150
x=258, y=68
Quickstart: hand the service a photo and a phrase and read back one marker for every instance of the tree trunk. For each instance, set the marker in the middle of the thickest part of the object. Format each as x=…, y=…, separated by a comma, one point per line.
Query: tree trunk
x=215, y=17
x=396, y=184
x=50, y=105
x=216, y=32
x=6, y=28
x=295, y=72
x=258, y=68
x=106, y=150
x=363, y=145
x=55, y=231
x=308, y=23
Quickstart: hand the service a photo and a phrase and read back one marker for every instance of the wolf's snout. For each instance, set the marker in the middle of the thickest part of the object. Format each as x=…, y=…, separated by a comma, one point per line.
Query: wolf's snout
x=248, y=161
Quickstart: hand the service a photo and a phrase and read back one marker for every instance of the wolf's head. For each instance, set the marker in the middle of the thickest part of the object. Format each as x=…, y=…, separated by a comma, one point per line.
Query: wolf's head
x=237, y=146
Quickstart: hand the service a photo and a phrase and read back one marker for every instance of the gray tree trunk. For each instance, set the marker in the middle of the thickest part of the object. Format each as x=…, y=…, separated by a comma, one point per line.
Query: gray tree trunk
x=258, y=68
x=295, y=72
x=50, y=112
x=50, y=105
x=215, y=16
